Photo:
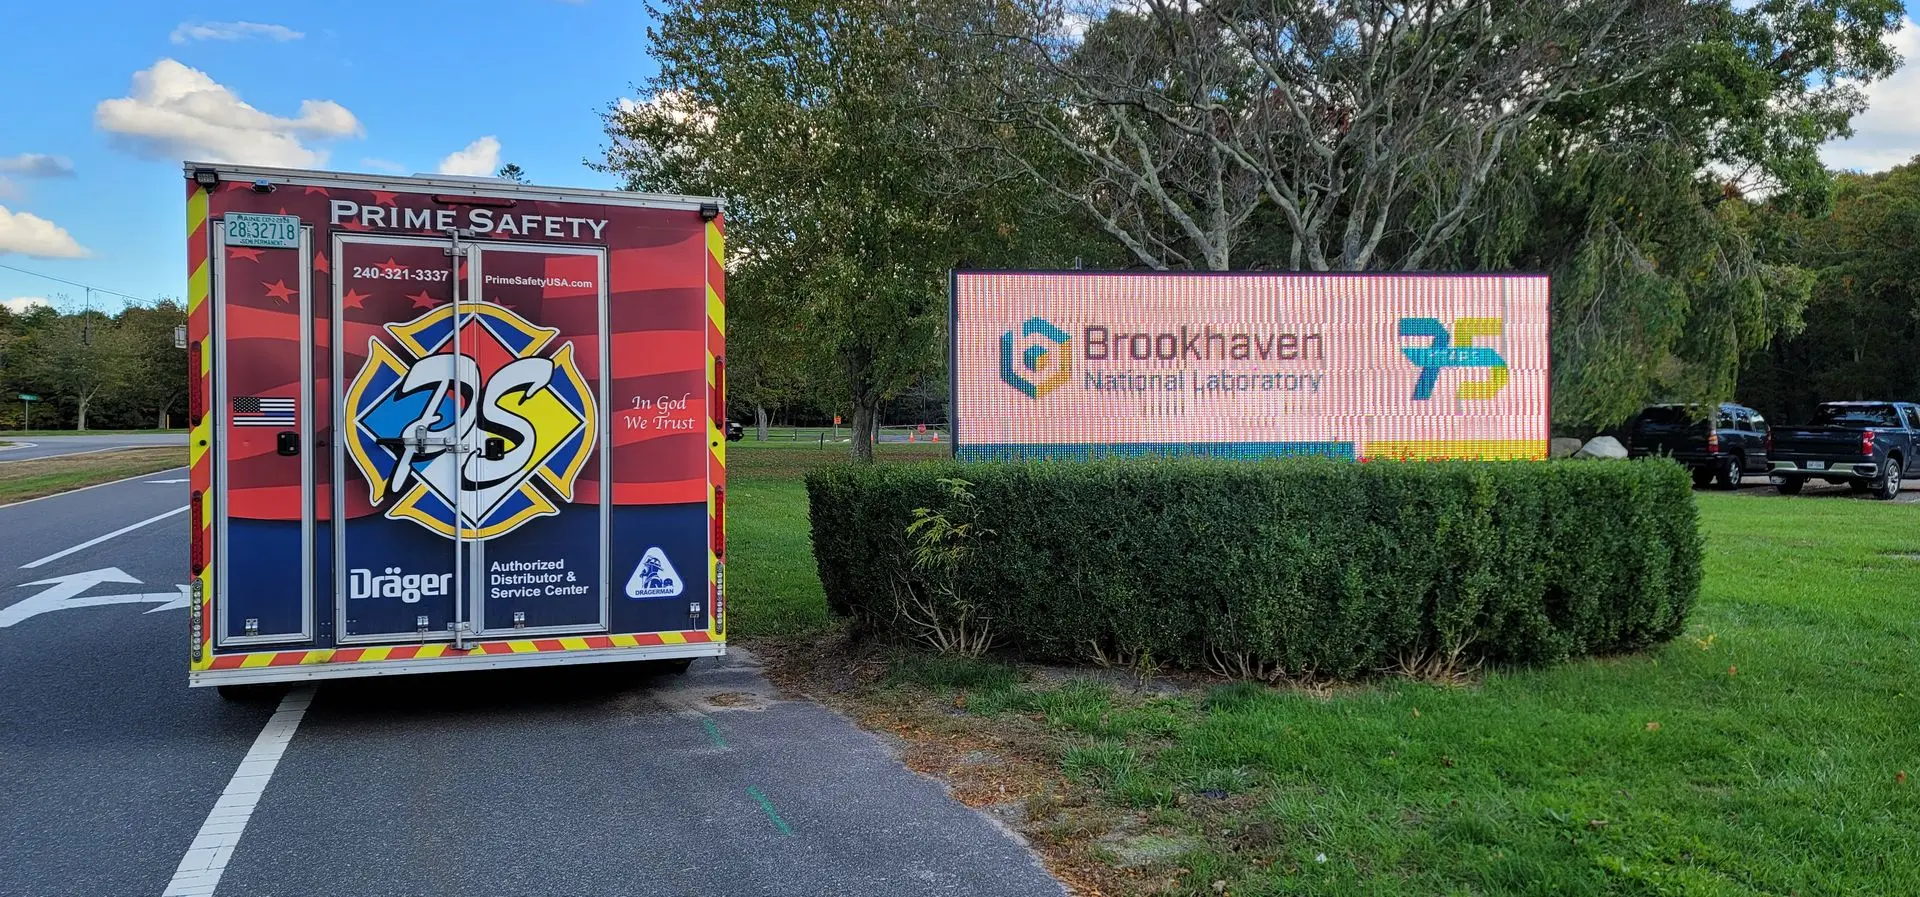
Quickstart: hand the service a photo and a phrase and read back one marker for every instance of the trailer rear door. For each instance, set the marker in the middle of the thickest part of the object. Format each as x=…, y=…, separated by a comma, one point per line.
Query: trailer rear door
x=468, y=411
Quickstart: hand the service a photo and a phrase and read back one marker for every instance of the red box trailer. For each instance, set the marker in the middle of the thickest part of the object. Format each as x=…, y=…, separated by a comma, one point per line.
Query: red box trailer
x=449, y=423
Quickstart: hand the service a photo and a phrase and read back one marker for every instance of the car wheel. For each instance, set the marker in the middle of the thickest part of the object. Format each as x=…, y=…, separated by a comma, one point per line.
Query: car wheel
x=1731, y=470
x=1789, y=485
x=1889, y=484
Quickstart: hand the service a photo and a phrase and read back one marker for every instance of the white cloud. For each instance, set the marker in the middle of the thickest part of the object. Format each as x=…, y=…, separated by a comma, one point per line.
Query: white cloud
x=390, y=167
x=20, y=305
x=37, y=165
x=192, y=31
x=177, y=112
x=481, y=158
x=1888, y=133
x=31, y=235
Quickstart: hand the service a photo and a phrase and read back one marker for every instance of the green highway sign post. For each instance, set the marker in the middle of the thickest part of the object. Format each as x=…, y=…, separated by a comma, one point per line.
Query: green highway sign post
x=26, y=417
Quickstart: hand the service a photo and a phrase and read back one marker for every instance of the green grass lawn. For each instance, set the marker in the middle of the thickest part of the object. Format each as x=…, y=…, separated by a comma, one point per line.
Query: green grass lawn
x=777, y=590
x=36, y=477
x=1772, y=750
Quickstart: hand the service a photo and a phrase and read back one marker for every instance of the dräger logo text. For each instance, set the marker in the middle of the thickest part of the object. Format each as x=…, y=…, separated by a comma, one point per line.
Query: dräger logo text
x=408, y=587
x=1455, y=350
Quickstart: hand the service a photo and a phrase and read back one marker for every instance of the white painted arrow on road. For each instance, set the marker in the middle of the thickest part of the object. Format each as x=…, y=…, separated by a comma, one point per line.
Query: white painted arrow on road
x=64, y=593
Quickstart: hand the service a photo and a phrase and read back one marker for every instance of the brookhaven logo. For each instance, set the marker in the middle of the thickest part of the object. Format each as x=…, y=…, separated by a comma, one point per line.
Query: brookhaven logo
x=1454, y=349
x=1039, y=360
x=416, y=414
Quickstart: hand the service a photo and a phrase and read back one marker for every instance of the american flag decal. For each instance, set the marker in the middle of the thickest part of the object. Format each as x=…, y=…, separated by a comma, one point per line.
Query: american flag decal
x=260, y=411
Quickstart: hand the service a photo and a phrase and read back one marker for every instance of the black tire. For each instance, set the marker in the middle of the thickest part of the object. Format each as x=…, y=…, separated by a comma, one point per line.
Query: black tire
x=251, y=694
x=1731, y=471
x=1789, y=485
x=675, y=667
x=1859, y=487
x=1887, y=487
x=1702, y=478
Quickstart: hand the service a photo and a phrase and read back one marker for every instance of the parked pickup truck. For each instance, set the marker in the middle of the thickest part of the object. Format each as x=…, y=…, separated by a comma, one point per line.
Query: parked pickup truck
x=1870, y=446
x=1722, y=443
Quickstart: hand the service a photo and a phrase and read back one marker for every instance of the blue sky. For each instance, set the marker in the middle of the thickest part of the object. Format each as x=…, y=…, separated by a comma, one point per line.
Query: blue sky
x=398, y=85
x=100, y=101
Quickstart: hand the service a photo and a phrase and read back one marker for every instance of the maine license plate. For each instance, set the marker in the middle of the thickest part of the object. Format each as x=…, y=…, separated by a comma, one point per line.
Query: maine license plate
x=1816, y=465
x=265, y=231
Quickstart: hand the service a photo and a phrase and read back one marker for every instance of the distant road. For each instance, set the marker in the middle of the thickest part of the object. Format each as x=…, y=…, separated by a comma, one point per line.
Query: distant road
x=25, y=447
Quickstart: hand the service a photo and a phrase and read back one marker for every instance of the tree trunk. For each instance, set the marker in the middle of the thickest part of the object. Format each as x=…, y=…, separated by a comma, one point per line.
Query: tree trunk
x=759, y=424
x=864, y=421
x=81, y=423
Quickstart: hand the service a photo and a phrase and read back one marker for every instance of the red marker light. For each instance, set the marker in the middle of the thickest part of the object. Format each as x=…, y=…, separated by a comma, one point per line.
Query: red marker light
x=198, y=542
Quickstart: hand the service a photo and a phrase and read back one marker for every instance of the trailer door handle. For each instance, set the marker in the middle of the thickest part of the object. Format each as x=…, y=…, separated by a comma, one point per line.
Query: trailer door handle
x=495, y=449
x=287, y=443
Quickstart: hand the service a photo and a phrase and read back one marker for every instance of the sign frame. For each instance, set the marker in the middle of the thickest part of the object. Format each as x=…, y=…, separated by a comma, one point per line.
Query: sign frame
x=1509, y=449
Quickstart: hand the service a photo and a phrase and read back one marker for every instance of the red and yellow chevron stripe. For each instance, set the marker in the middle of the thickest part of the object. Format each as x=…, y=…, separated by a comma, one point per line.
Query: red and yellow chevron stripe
x=384, y=653
x=200, y=432
x=716, y=427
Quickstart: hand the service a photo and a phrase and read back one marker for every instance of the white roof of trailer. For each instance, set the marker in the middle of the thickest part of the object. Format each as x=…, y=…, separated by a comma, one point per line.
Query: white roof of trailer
x=449, y=184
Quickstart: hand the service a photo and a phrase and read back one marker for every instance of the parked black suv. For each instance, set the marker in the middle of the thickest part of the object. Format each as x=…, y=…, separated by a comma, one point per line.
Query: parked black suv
x=1870, y=446
x=1722, y=443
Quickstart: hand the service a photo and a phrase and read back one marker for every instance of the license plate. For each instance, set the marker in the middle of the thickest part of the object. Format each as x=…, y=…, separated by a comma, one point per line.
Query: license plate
x=1816, y=465
x=264, y=231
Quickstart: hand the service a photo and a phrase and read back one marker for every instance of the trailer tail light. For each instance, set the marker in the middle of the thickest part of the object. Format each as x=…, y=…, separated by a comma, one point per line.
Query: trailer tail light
x=719, y=396
x=198, y=541
x=720, y=522
x=1713, y=440
x=1866, y=442
x=1769, y=448
x=196, y=394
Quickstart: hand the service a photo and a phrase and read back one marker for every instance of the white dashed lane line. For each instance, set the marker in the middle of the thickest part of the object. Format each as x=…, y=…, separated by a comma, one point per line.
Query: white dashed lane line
x=206, y=859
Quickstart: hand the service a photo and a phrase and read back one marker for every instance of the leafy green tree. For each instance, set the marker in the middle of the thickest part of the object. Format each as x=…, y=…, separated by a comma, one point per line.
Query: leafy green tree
x=816, y=122
x=73, y=360
x=512, y=172
x=1862, y=336
x=157, y=389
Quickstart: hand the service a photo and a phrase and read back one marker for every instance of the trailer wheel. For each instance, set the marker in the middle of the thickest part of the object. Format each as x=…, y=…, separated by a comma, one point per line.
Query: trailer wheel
x=251, y=694
x=675, y=667
x=1788, y=485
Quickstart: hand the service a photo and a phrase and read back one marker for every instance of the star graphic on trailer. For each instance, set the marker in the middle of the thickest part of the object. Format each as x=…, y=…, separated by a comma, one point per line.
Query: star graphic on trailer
x=390, y=265
x=279, y=290
x=235, y=252
x=384, y=198
x=422, y=300
x=354, y=299
x=320, y=263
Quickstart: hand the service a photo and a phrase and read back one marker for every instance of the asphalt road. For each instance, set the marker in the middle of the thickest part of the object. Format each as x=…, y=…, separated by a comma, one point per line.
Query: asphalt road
x=579, y=781
x=27, y=447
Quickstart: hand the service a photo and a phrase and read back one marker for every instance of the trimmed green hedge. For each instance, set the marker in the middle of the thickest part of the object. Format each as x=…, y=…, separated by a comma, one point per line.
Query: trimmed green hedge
x=1289, y=567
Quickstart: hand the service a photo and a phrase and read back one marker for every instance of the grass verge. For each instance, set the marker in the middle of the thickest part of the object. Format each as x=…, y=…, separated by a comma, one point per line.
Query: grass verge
x=1771, y=750
x=777, y=592
x=33, y=478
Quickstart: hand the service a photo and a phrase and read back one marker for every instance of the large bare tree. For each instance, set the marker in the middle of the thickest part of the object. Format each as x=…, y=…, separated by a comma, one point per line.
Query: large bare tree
x=1366, y=130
